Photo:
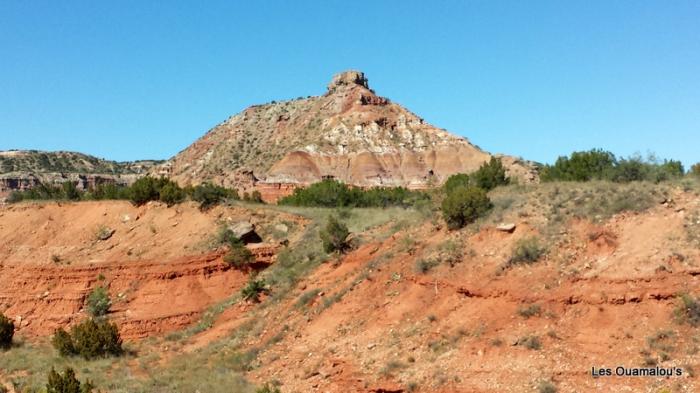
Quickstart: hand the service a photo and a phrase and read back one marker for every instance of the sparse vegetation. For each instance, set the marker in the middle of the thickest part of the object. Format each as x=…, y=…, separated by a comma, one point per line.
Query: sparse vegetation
x=490, y=175
x=103, y=232
x=89, y=339
x=688, y=311
x=532, y=310
x=143, y=190
x=307, y=297
x=171, y=194
x=464, y=205
x=208, y=195
x=598, y=164
x=98, y=302
x=335, y=236
x=530, y=342
x=67, y=383
x=333, y=193
x=268, y=388
x=695, y=170
x=425, y=265
x=526, y=251
x=455, y=181
x=7, y=331
x=253, y=289
x=238, y=254
x=546, y=387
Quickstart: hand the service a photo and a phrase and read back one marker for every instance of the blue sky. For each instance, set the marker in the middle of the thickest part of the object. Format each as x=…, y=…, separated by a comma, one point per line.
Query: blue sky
x=134, y=79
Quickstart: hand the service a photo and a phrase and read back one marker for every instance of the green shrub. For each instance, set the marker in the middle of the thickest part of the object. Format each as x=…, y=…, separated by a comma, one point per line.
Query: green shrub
x=425, y=265
x=490, y=175
x=98, y=302
x=268, y=388
x=67, y=383
x=146, y=189
x=63, y=343
x=15, y=196
x=335, y=236
x=108, y=191
x=464, y=205
x=171, y=194
x=580, y=166
x=208, y=195
x=695, y=170
x=597, y=164
x=454, y=181
x=70, y=192
x=239, y=255
x=688, y=311
x=526, y=251
x=89, y=339
x=253, y=289
x=530, y=342
x=530, y=311
x=253, y=197
x=7, y=330
x=333, y=193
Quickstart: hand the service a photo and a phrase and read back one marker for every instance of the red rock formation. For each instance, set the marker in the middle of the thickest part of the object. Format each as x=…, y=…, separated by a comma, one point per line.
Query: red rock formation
x=349, y=133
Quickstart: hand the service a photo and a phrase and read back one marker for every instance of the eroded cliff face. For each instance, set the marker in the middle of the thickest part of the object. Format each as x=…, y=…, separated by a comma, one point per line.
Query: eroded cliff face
x=25, y=169
x=349, y=133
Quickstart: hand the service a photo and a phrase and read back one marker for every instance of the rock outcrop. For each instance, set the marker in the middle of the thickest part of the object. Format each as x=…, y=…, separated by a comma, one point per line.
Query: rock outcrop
x=24, y=169
x=349, y=133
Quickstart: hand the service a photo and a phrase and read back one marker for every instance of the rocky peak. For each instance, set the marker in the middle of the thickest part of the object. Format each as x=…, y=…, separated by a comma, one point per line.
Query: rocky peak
x=348, y=79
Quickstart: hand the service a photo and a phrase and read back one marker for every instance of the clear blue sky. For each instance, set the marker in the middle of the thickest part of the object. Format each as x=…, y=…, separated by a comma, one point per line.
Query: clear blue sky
x=135, y=79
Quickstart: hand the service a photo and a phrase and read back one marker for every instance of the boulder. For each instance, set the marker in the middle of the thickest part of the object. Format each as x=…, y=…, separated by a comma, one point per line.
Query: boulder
x=245, y=231
x=506, y=227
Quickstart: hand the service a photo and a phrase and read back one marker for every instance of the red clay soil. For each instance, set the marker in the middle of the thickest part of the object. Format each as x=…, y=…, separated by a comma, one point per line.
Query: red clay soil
x=50, y=259
x=599, y=298
x=604, y=291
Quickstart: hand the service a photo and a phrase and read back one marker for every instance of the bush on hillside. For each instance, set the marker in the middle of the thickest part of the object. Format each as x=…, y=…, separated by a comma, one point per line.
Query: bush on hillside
x=253, y=289
x=490, y=175
x=239, y=255
x=335, y=236
x=597, y=164
x=580, y=166
x=253, y=197
x=268, y=388
x=98, y=302
x=454, y=181
x=526, y=251
x=171, y=194
x=67, y=383
x=464, y=205
x=208, y=195
x=89, y=339
x=144, y=190
x=695, y=170
x=108, y=191
x=7, y=331
x=149, y=188
x=63, y=343
x=688, y=311
x=333, y=193
x=70, y=191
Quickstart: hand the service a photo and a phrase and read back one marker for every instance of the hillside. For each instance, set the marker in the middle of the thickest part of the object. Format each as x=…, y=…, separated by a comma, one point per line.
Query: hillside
x=349, y=133
x=67, y=162
x=414, y=307
x=22, y=169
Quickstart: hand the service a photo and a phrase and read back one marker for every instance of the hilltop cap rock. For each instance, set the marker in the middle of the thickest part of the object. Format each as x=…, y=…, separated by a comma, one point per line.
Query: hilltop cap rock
x=348, y=78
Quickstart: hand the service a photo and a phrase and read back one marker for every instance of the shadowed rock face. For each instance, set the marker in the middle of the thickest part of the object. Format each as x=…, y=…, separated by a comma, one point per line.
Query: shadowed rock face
x=349, y=133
